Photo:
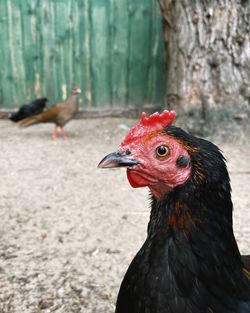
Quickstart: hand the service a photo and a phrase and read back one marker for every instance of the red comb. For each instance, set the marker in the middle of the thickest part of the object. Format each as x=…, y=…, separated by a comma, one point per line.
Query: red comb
x=165, y=119
x=149, y=124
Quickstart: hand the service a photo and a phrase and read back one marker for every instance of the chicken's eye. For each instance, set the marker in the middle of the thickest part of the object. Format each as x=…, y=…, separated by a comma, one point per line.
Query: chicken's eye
x=162, y=151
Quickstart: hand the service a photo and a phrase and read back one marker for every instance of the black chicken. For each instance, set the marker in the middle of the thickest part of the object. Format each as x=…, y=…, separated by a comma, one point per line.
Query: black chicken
x=26, y=110
x=190, y=262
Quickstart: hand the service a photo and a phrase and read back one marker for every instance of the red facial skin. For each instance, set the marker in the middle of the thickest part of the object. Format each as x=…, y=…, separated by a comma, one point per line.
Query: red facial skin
x=160, y=174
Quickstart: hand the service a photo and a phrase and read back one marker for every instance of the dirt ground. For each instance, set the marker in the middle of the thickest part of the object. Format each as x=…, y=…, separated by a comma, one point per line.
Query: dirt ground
x=69, y=230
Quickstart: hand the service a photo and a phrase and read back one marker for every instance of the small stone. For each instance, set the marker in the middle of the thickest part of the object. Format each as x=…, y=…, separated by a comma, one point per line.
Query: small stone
x=123, y=127
x=45, y=304
x=240, y=116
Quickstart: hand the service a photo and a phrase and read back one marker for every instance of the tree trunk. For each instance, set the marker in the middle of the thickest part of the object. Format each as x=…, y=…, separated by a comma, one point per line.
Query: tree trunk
x=207, y=52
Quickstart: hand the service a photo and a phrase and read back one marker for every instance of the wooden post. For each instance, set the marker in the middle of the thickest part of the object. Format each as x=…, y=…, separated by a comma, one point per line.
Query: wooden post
x=208, y=53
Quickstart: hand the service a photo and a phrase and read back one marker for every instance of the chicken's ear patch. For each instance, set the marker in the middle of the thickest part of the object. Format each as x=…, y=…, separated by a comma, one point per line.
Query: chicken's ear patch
x=155, y=122
x=182, y=161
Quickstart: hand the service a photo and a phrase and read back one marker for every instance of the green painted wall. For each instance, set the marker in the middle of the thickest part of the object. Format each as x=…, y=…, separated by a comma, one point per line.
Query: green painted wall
x=112, y=49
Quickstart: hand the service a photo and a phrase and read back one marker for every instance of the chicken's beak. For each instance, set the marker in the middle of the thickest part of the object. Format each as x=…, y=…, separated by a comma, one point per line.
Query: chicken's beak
x=116, y=159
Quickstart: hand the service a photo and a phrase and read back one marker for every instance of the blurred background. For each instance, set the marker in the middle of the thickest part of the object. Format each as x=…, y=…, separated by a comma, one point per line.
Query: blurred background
x=113, y=50
x=68, y=230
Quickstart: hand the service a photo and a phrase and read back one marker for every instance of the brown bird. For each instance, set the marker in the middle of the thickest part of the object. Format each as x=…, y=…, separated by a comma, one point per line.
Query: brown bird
x=59, y=114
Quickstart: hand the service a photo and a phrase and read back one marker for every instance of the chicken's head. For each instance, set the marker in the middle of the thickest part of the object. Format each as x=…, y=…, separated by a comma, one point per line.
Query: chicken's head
x=152, y=157
x=76, y=90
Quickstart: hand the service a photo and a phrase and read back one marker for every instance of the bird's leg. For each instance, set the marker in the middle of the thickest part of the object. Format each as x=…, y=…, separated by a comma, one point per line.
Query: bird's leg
x=65, y=137
x=54, y=134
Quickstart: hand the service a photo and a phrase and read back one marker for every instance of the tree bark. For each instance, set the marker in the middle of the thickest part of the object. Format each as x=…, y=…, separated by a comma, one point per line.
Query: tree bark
x=207, y=53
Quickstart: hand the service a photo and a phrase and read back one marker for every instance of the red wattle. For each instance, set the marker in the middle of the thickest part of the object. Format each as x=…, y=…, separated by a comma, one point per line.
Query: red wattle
x=136, y=180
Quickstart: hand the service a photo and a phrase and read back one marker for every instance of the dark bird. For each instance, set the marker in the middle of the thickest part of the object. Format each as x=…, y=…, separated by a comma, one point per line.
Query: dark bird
x=59, y=114
x=26, y=110
x=190, y=261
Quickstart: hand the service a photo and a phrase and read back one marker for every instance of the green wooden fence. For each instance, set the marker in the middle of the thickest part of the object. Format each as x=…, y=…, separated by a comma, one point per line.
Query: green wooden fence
x=112, y=49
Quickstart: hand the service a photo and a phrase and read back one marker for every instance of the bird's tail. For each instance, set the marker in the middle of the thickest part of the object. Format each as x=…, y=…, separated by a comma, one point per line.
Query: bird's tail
x=13, y=117
x=29, y=121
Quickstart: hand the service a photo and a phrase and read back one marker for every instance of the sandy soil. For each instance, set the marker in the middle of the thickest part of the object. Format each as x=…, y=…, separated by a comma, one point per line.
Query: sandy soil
x=68, y=230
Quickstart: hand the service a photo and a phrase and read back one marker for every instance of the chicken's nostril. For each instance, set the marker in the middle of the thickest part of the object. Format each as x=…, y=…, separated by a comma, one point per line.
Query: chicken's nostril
x=124, y=152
